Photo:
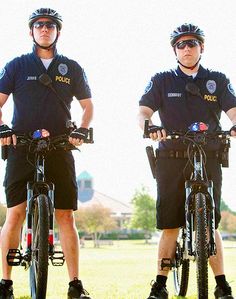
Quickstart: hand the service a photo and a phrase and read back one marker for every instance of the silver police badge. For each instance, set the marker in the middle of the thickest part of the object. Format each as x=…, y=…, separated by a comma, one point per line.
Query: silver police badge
x=63, y=69
x=211, y=86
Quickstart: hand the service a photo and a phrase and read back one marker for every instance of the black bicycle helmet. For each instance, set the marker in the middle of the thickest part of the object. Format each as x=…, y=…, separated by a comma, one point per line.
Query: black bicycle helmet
x=45, y=13
x=186, y=29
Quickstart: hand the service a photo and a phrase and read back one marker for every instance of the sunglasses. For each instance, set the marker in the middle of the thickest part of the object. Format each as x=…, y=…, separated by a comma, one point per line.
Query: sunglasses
x=191, y=43
x=40, y=25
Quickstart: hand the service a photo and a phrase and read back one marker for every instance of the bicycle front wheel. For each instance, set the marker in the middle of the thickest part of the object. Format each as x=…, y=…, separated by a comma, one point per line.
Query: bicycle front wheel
x=39, y=264
x=201, y=249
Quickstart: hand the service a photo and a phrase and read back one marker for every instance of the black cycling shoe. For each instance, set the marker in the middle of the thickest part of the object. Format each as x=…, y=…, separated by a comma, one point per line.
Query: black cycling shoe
x=158, y=292
x=6, y=292
x=223, y=293
x=76, y=290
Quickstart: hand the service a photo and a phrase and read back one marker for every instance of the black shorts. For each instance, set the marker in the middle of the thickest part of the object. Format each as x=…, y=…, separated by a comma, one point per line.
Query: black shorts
x=171, y=175
x=59, y=169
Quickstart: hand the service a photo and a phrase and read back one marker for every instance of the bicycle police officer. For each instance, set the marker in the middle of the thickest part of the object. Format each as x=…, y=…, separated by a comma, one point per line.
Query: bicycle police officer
x=179, y=107
x=43, y=105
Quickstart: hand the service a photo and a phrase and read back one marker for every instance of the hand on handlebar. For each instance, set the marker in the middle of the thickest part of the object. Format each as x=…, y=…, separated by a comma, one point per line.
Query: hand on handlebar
x=78, y=136
x=157, y=133
x=7, y=135
x=233, y=131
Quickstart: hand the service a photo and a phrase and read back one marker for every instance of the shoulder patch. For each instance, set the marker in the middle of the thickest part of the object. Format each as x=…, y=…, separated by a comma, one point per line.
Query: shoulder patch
x=231, y=89
x=2, y=72
x=148, y=87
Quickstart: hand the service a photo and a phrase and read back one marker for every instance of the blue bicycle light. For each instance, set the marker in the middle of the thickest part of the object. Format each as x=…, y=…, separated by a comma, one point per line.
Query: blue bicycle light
x=37, y=134
x=198, y=127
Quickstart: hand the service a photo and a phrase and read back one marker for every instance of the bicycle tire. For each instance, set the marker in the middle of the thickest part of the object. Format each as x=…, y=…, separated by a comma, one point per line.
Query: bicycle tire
x=181, y=270
x=201, y=241
x=39, y=263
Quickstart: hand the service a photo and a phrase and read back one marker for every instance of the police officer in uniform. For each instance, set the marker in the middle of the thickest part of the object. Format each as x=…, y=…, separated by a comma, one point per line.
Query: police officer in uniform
x=43, y=102
x=190, y=93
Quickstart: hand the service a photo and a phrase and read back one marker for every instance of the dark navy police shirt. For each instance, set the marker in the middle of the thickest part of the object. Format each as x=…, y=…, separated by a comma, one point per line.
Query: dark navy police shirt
x=35, y=105
x=178, y=109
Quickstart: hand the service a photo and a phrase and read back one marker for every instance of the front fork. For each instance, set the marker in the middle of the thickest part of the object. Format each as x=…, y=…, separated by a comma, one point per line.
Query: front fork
x=189, y=215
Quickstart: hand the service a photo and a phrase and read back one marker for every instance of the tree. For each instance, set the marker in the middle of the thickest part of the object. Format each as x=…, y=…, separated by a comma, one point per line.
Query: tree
x=225, y=207
x=95, y=220
x=228, y=222
x=144, y=212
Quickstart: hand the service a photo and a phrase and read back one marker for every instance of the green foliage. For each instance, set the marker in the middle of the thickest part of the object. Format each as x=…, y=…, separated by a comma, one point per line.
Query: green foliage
x=224, y=206
x=144, y=211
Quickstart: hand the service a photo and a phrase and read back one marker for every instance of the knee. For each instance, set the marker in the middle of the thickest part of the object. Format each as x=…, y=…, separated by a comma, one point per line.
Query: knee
x=170, y=233
x=64, y=218
x=15, y=219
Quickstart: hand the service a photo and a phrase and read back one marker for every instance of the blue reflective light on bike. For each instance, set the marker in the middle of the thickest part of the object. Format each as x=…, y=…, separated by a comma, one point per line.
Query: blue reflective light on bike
x=198, y=127
x=37, y=134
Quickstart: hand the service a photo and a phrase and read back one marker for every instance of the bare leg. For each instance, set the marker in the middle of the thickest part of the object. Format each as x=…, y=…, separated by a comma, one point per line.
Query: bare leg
x=69, y=241
x=216, y=262
x=10, y=235
x=166, y=248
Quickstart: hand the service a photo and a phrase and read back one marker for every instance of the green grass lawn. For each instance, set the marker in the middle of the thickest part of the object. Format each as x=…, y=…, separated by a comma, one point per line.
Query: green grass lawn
x=120, y=271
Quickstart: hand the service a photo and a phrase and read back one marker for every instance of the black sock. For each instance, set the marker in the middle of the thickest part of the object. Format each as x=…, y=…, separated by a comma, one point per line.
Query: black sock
x=7, y=282
x=221, y=281
x=161, y=280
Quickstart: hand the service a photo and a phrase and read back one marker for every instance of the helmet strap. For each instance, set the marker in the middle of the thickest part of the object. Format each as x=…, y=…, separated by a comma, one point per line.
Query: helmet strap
x=190, y=67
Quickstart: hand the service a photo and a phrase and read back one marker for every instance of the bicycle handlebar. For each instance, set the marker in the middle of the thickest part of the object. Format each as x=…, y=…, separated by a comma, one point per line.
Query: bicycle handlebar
x=188, y=134
x=45, y=144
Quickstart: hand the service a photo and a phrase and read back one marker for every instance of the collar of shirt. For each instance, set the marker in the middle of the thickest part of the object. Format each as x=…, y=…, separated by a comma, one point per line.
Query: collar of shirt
x=202, y=73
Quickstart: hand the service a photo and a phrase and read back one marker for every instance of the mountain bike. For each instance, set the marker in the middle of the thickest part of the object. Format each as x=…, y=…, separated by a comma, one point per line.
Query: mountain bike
x=39, y=227
x=196, y=240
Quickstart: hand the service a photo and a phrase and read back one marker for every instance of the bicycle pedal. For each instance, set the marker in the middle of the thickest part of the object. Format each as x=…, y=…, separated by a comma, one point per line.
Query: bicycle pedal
x=57, y=258
x=167, y=263
x=14, y=257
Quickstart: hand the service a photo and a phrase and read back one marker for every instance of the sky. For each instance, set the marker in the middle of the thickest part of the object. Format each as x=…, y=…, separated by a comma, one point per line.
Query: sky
x=121, y=44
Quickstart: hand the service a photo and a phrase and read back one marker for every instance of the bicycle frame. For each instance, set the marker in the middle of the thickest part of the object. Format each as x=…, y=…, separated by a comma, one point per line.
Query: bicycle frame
x=198, y=184
x=40, y=214
x=197, y=237
x=44, y=188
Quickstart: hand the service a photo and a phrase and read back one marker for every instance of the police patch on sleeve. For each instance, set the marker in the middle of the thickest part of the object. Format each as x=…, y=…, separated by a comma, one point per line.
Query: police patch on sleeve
x=85, y=76
x=2, y=73
x=148, y=87
x=231, y=90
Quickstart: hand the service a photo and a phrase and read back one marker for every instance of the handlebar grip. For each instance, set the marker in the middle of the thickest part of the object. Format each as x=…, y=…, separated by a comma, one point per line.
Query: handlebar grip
x=90, y=140
x=146, y=125
x=4, y=152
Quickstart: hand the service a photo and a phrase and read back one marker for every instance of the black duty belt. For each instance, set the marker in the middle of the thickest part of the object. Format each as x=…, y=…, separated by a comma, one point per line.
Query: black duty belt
x=183, y=154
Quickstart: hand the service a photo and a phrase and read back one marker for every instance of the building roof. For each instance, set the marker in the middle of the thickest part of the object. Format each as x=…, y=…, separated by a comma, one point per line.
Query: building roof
x=84, y=176
x=117, y=207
